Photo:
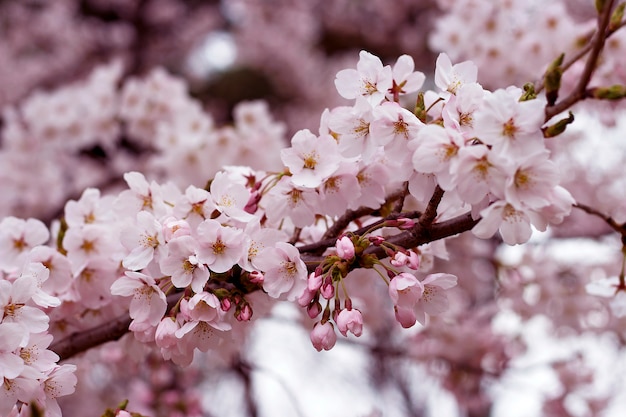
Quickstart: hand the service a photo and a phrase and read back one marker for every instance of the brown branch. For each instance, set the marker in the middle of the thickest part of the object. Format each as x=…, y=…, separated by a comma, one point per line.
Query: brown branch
x=430, y=213
x=320, y=246
x=540, y=84
x=596, y=45
x=350, y=215
x=342, y=222
x=84, y=340
x=620, y=228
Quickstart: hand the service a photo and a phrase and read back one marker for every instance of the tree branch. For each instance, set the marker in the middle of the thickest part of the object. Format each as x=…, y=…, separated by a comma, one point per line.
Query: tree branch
x=596, y=45
x=84, y=340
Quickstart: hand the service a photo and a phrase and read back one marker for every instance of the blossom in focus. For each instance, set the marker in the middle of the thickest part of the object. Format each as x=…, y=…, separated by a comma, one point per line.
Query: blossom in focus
x=370, y=79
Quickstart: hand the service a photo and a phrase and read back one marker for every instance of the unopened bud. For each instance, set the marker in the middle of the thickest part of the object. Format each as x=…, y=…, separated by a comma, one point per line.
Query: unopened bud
x=420, y=108
x=614, y=92
x=225, y=304
x=558, y=128
x=314, y=309
x=552, y=80
x=256, y=277
x=245, y=313
x=616, y=17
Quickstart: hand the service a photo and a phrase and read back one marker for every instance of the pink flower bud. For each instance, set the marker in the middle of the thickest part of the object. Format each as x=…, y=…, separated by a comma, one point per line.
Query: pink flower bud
x=350, y=321
x=257, y=277
x=323, y=336
x=314, y=309
x=245, y=313
x=225, y=304
x=315, y=281
x=399, y=259
x=306, y=297
x=405, y=223
x=253, y=202
x=414, y=260
x=376, y=240
x=328, y=289
x=345, y=248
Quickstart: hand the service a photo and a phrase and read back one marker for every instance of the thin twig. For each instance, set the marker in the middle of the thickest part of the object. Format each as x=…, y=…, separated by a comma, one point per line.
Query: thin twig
x=597, y=44
x=620, y=228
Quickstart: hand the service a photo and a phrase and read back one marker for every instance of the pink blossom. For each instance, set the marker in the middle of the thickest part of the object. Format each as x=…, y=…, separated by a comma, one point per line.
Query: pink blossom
x=532, y=182
x=350, y=320
x=450, y=77
x=310, y=159
x=182, y=264
x=230, y=197
x=351, y=127
x=284, y=270
x=144, y=239
x=339, y=190
x=479, y=172
x=435, y=149
x=393, y=123
x=405, y=289
x=148, y=303
x=509, y=125
x=286, y=199
x=61, y=381
x=11, y=337
x=15, y=305
x=90, y=208
x=220, y=247
x=370, y=80
x=405, y=79
x=194, y=206
x=434, y=300
x=141, y=195
x=513, y=224
x=405, y=316
x=17, y=237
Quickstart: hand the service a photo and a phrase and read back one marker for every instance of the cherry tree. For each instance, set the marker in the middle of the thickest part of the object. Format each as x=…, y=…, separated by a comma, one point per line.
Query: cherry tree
x=144, y=242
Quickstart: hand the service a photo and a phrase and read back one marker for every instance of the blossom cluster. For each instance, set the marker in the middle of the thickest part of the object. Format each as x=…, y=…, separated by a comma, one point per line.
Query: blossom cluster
x=92, y=131
x=184, y=263
x=29, y=372
x=484, y=149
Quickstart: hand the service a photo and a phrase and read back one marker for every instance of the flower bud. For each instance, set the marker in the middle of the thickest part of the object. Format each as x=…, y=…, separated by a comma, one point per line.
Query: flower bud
x=314, y=309
x=350, y=321
x=345, y=248
x=323, y=336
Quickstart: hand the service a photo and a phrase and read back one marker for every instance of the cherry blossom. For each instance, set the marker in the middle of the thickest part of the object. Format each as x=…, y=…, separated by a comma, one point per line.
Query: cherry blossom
x=311, y=160
x=370, y=80
x=148, y=303
x=434, y=300
x=220, y=247
x=284, y=271
x=182, y=264
x=450, y=77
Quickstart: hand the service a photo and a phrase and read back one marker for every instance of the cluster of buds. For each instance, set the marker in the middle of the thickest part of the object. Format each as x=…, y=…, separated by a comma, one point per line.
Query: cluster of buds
x=322, y=284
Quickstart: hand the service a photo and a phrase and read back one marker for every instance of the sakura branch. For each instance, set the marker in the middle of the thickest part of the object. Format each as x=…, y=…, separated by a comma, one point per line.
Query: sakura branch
x=372, y=198
x=597, y=44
